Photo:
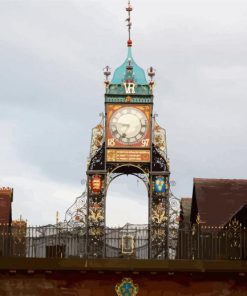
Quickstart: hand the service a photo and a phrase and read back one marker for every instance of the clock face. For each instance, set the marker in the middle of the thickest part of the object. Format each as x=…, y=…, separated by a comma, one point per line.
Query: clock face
x=128, y=125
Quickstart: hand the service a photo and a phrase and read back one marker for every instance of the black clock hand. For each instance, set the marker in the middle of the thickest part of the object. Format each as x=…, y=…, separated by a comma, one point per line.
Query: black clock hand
x=126, y=126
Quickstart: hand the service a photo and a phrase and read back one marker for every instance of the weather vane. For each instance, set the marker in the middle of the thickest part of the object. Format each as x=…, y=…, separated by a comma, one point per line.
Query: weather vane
x=129, y=24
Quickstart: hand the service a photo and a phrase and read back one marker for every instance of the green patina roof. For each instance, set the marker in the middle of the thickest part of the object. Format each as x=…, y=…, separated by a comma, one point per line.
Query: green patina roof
x=129, y=71
x=137, y=75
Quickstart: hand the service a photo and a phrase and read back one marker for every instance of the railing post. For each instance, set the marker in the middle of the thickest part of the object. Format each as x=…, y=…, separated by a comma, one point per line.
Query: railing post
x=196, y=232
x=235, y=239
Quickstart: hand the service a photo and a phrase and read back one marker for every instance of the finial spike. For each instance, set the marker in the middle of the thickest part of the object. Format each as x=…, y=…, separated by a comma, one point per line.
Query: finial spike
x=57, y=217
x=129, y=25
x=107, y=73
x=151, y=74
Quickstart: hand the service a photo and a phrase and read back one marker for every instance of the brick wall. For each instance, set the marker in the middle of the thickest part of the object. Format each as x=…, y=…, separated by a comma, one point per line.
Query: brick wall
x=83, y=283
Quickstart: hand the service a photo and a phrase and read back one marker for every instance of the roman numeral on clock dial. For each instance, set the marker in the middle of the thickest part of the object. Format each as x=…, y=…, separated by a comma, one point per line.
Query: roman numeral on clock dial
x=128, y=125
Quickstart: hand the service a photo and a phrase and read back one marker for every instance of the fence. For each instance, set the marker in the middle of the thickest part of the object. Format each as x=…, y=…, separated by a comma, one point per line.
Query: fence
x=131, y=241
x=213, y=242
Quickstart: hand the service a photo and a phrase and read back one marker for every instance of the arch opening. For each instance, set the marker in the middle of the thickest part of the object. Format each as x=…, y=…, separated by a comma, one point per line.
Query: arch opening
x=126, y=201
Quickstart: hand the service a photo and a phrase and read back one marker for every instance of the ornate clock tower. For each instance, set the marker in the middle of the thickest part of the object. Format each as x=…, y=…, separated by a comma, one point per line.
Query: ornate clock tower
x=128, y=141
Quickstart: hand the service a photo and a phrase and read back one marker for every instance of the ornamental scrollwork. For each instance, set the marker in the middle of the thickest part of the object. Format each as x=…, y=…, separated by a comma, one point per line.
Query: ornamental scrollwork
x=97, y=137
x=174, y=218
x=159, y=163
x=159, y=139
x=97, y=162
x=76, y=214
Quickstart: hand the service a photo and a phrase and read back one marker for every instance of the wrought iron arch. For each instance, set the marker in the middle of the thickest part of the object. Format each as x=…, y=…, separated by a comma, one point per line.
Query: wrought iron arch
x=113, y=174
x=143, y=178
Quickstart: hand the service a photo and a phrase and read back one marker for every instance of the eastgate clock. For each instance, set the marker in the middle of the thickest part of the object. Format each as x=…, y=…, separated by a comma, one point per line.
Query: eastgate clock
x=129, y=126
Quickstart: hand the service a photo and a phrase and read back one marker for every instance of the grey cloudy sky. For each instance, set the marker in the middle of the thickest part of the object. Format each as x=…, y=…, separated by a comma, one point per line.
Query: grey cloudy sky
x=51, y=93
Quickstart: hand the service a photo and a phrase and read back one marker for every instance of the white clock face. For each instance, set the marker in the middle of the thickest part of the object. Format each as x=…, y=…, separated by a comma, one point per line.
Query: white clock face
x=128, y=125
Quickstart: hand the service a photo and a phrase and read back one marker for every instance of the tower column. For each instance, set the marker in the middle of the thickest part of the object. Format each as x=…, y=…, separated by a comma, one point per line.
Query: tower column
x=96, y=215
x=129, y=142
x=158, y=216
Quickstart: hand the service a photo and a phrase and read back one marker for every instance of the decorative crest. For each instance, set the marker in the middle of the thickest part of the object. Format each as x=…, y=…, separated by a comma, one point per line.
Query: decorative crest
x=127, y=288
x=129, y=24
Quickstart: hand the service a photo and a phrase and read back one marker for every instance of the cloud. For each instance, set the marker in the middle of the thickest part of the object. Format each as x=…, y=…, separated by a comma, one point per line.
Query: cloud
x=51, y=92
x=36, y=197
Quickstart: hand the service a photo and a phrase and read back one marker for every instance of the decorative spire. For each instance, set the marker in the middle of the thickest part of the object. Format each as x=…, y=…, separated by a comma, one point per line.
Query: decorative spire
x=129, y=71
x=129, y=25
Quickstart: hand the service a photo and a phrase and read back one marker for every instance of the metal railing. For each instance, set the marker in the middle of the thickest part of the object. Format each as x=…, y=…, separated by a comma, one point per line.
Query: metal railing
x=213, y=242
x=131, y=241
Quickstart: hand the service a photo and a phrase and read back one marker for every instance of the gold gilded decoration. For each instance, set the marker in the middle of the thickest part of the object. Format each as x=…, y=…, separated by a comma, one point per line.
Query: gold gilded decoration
x=96, y=213
x=198, y=218
x=128, y=99
x=97, y=137
x=123, y=155
x=159, y=139
x=158, y=214
x=121, y=132
x=235, y=238
x=158, y=233
x=127, y=288
x=96, y=231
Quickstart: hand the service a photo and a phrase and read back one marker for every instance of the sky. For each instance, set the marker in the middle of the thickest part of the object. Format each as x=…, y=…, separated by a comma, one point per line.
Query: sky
x=51, y=94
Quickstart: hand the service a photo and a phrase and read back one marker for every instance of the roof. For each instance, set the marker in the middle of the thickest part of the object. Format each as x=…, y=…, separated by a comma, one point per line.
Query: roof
x=138, y=74
x=216, y=200
x=241, y=215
